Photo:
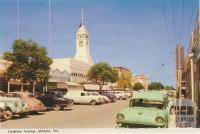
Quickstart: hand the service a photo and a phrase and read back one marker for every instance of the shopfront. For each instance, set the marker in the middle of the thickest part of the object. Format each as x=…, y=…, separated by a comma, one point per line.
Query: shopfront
x=58, y=80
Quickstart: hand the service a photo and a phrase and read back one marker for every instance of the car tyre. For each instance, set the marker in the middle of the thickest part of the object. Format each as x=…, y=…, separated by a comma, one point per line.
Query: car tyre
x=8, y=114
x=23, y=115
x=93, y=102
x=62, y=108
x=120, y=98
x=56, y=107
x=104, y=101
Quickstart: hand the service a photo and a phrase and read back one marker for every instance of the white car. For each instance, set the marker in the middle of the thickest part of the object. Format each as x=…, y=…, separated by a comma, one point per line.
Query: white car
x=2, y=109
x=83, y=97
x=104, y=98
x=120, y=95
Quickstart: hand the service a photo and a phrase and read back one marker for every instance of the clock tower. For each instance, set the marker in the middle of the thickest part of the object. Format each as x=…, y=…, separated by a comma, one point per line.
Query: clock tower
x=82, y=44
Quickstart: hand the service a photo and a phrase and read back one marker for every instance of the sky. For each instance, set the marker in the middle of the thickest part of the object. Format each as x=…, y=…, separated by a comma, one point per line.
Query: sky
x=140, y=35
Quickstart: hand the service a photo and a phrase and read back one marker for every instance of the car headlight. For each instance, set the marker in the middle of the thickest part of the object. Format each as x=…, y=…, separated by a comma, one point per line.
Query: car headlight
x=15, y=104
x=160, y=120
x=120, y=117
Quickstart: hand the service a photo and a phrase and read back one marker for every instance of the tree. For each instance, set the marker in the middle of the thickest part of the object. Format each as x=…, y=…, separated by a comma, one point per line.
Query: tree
x=155, y=86
x=124, y=80
x=101, y=73
x=169, y=88
x=30, y=62
x=138, y=86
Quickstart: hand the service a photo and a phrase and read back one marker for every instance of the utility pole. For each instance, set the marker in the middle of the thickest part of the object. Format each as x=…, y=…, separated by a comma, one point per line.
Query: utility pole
x=192, y=74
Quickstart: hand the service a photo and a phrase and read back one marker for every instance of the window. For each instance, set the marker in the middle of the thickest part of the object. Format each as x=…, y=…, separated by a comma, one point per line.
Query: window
x=146, y=103
x=82, y=94
x=80, y=43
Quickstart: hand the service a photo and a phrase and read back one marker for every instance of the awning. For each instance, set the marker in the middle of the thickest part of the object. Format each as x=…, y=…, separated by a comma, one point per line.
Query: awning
x=95, y=87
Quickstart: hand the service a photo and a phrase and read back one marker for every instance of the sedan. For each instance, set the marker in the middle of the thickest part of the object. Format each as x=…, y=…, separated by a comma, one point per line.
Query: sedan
x=34, y=105
x=55, y=100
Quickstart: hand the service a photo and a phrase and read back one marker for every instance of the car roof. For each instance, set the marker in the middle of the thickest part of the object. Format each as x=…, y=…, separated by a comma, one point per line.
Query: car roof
x=21, y=93
x=150, y=95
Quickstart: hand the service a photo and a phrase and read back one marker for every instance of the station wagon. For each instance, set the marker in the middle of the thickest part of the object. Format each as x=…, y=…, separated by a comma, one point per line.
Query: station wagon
x=83, y=97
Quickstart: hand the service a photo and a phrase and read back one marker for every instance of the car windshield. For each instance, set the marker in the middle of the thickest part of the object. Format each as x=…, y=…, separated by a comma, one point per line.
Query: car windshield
x=2, y=94
x=60, y=95
x=146, y=103
x=13, y=95
x=31, y=96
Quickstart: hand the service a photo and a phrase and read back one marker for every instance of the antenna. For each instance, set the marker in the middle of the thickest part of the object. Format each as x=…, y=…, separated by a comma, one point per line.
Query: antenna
x=82, y=17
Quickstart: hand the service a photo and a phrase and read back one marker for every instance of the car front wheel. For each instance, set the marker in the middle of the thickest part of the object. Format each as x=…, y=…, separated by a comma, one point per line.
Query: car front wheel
x=56, y=107
x=93, y=102
x=120, y=98
x=8, y=114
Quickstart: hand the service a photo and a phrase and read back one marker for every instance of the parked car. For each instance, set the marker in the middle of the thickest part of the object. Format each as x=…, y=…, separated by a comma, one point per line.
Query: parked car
x=111, y=96
x=120, y=95
x=129, y=93
x=55, y=100
x=2, y=109
x=83, y=97
x=146, y=109
x=34, y=105
x=13, y=106
x=104, y=98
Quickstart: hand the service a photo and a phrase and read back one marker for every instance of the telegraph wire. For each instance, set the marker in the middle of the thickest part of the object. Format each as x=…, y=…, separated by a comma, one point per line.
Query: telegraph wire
x=173, y=31
x=192, y=17
x=165, y=21
x=182, y=19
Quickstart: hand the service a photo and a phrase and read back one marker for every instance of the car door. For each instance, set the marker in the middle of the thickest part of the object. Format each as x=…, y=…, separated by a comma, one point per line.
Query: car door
x=83, y=97
x=47, y=99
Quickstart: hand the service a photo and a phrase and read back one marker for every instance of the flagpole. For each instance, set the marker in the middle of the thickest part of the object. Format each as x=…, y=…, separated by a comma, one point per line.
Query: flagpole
x=18, y=15
x=49, y=39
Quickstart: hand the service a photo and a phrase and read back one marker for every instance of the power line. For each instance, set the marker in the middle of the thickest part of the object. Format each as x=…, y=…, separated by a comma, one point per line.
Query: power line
x=18, y=16
x=192, y=16
x=173, y=31
x=165, y=20
x=182, y=19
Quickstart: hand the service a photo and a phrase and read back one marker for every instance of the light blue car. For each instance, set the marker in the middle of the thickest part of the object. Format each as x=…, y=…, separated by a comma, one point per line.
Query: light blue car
x=13, y=106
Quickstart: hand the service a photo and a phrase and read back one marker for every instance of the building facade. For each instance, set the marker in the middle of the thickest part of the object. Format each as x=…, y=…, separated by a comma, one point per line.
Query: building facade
x=143, y=79
x=192, y=66
x=124, y=77
x=78, y=66
x=3, y=67
x=179, y=70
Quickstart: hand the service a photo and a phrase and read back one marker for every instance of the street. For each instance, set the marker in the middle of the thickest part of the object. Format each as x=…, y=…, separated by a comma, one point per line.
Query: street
x=78, y=116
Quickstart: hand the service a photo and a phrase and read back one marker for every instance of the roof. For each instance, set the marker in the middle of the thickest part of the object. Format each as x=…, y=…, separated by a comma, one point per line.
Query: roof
x=150, y=95
x=122, y=68
x=95, y=87
x=82, y=29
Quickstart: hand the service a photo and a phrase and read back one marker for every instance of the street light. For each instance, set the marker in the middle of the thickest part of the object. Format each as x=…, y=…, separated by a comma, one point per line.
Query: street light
x=191, y=55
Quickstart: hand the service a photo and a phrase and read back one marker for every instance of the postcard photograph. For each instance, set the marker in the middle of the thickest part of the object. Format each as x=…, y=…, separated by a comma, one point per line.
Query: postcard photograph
x=120, y=64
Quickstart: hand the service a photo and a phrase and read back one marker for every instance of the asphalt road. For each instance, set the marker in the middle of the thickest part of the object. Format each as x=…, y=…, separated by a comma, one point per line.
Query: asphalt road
x=77, y=116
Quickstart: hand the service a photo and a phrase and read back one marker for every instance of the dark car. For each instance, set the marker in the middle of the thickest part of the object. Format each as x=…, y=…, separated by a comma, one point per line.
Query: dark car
x=111, y=96
x=55, y=100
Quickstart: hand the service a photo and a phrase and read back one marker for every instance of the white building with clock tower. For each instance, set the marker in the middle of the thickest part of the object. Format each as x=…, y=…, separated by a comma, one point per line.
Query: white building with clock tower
x=82, y=44
x=78, y=66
